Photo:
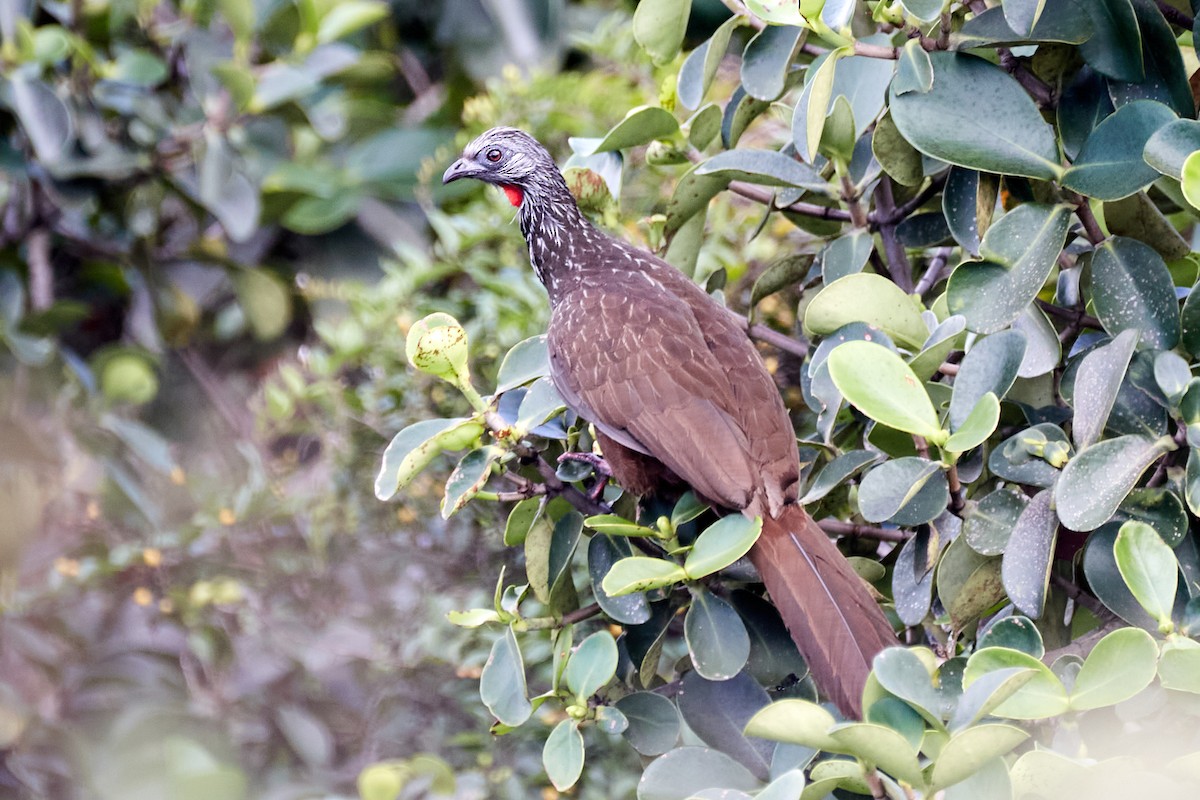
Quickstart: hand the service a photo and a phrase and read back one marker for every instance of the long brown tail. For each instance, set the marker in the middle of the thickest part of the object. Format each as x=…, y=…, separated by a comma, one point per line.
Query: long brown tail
x=826, y=606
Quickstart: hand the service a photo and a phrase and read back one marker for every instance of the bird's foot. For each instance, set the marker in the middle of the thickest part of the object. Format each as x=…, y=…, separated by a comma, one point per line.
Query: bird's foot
x=599, y=466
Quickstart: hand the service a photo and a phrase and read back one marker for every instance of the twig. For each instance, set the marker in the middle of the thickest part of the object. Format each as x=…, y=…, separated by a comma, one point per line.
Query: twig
x=898, y=213
x=766, y=197
x=739, y=10
x=1084, y=644
x=876, y=51
x=41, y=274
x=921, y=445
x=1091, y=227
x=1072, y=315
x=853, y=529
x=1042, y=94
x=1174, y=15
x=876, y=783
x=897, y=258
x=851, y=195
x=933, y=273
x=578, y=499
x=1081, y=597
x=570, y=618
x=948, y=369
x=956, y=490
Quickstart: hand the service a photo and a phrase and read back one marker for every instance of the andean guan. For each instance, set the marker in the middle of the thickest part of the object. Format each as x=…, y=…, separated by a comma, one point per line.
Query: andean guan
x=675, y=388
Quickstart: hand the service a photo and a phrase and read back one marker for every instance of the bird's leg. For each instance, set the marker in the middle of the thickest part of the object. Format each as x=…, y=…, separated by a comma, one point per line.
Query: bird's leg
x=598, y=464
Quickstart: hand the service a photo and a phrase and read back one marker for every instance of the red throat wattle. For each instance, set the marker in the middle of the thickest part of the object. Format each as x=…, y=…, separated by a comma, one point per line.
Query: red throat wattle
x=514, y=194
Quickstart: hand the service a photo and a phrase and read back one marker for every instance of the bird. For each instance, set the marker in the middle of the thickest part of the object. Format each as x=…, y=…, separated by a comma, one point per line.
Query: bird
x=676, y=391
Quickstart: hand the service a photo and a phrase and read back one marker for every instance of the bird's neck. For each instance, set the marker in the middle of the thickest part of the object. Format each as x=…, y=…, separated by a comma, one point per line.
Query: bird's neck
x=559, y=236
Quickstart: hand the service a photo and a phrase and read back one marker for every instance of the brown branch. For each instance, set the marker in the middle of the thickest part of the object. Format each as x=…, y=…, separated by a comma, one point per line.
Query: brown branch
x=897, y=259
x=956, y=489
x=1084, y=644
x=1091, y=227
x=1174, y=16
x=851, y=197
x=1074, y=316
x=760, y=195
x=739, y=10
x=1041, y=93
x=898, y=213
x=933, y=273
x=854, y=530
x=1081, y=597
x=41, y=273
x=876, y=51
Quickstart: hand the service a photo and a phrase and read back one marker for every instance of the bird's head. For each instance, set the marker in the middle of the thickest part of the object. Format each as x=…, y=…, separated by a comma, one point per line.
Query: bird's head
x=508, y=158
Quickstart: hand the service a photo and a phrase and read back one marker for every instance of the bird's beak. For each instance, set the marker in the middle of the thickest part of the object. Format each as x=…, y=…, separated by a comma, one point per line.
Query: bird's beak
x=463, y=168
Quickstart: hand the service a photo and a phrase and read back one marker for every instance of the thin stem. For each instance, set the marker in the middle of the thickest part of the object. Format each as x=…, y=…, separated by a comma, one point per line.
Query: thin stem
x=1174, y=15
x=876, y=784
x=933, y=273
x=898, y=213
x=921, y=445
x=766, y=197
x=897, y=259
x=1091, y=227
x=876, y=51
x=851, y=195
x=1084, y=644
x=854, y=530
x=570, y=618
x=739, y=10
x=1081, y=597
x=1042, y=94
x=1072, y=315
x=956, y=489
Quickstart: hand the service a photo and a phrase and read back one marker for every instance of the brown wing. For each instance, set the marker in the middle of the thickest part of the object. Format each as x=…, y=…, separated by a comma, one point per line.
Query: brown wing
x=667, y=373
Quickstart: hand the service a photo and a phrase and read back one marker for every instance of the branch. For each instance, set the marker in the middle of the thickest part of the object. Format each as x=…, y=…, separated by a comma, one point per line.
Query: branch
x=933, y=273
x=766, y=197
x=1084, y=644
x=898, y=213
x=1042, y=94
x=897, y=259
x=854, y=530
x=739, y=10
x=1091, y=227
x=1081, y=597
x=1074, y=316
x=876, y=51
x=851, y=195
x=41, y=273
x=1174, y=15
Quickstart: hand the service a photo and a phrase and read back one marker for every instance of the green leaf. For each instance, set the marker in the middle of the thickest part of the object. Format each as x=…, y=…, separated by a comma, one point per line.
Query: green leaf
x=906, y=491
x=968, y=750
x=613, y=525
x=1169, y=147
x=700, y=68
x=717, y=711
x=1097, y=479
x=468, y=478
x=990, y=521
x=1160, y=508
x=659, y=25
x=914, y=70
x=1029, y=555
x=1190, y=180
x=520, y=519
x=1097, y=384
x=1149, y=569
x=788, y=271
x=898, y=158
x=703, y=126
x=978, y=116
x=968, y=203
x=524, y=363
x=472, y=618
x=990, y=690
x=1023, y=15
x=881, y=747
x=766, y=167
x=1122, y=664
x=1105, y=581
x=44, y=117
x=794, y=722
x=349, y=16
x=1063, y=21
x=653, y=722
x=592, y=665
x=837, y=471
x=814, y=104
x=721, y=544
x=873, y=299
x=411, y=450
x=968, y=584
x=1110, y=164
x=1115, y=47
x=641, y=125
x=846, y=255
x=562, y=756
x=1021, y=249
x=1179, y=667
x=977, y=427
x=924, y=10
x=774, y=658
x=502, y=682
x=777, y=12
x=990, y=366
x=785, y=787
x=716, y=637
x=902, y=672
x=1043, y=696
x=691, y=196
x=266, y=301
x=878, y=383
x=640, y=574
x=1139, y=218
x=684, y=771
x=767, y=58
x=603, y=552
x=316, y=215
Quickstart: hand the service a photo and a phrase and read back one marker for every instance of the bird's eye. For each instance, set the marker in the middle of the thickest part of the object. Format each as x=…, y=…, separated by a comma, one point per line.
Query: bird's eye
x=494, y=155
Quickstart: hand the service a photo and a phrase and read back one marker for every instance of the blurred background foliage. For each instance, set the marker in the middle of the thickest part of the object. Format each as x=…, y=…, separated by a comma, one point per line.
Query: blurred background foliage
x=218, y=221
